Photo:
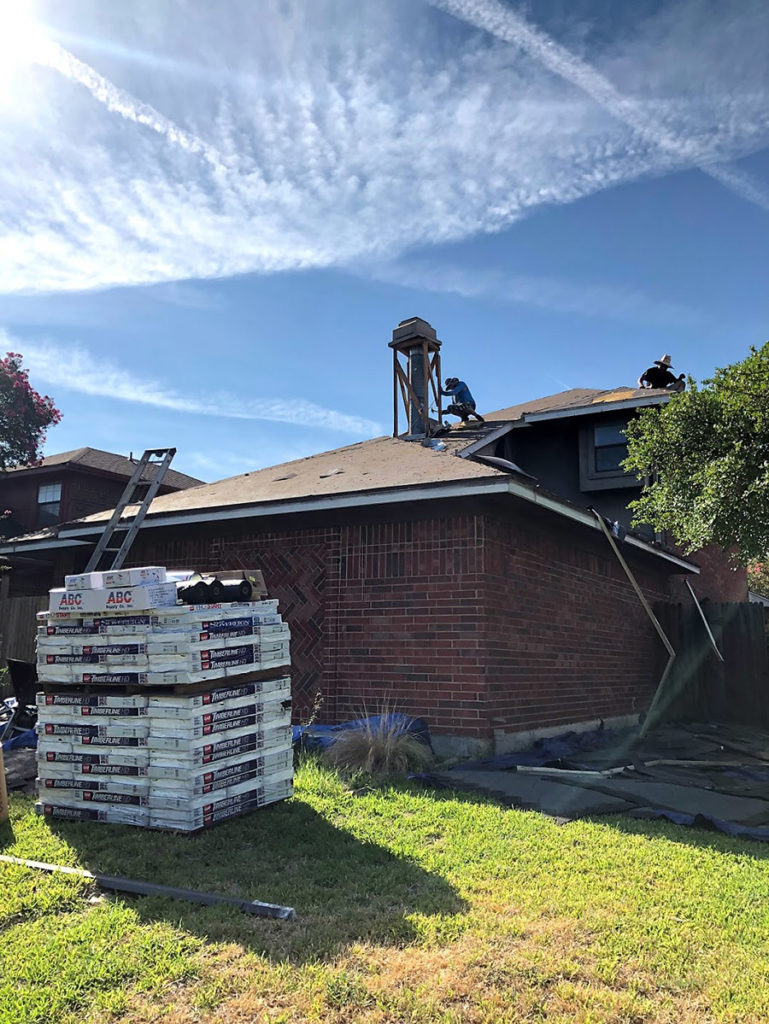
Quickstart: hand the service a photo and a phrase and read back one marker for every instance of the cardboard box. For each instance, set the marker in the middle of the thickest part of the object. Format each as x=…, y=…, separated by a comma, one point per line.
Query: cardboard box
x=84, y=581
x=141, y=577
x=73, y=602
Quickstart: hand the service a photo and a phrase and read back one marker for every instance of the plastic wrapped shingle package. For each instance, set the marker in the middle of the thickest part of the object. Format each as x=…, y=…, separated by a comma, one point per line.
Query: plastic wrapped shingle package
x=161, y=715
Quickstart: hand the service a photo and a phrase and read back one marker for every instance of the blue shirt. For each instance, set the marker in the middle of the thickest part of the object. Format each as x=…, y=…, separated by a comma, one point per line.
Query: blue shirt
x=460, y=394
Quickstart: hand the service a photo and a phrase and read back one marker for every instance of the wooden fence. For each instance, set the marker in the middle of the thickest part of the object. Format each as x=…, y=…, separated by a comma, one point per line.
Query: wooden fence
x=17, y=626
x=700, y=687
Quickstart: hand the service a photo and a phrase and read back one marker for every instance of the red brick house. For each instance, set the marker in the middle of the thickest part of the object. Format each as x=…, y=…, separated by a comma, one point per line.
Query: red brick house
x=447, y=575
x=64, y=487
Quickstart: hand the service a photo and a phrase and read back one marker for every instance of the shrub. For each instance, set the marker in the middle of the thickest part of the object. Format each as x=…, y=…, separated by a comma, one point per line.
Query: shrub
x=385, y=750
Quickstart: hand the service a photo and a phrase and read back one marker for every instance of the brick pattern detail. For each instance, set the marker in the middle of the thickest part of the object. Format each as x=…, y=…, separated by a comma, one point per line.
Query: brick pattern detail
x=296, y=567
x=470, y=621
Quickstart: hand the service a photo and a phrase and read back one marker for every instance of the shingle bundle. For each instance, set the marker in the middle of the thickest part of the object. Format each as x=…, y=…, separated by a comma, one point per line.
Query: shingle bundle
x=181, y=716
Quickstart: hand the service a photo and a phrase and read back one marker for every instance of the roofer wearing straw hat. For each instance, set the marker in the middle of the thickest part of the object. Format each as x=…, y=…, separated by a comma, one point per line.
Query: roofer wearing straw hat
x=659, y=376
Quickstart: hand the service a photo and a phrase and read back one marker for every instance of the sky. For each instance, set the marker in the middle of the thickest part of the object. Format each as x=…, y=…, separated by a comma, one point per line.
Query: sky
x=212, y=216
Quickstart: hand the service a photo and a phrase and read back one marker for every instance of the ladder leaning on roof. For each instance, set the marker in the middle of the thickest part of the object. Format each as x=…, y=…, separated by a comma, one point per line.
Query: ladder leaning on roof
x=158, y=459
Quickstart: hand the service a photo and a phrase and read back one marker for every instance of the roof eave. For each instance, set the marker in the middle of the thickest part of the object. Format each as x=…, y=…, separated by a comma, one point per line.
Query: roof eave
x=75, y=535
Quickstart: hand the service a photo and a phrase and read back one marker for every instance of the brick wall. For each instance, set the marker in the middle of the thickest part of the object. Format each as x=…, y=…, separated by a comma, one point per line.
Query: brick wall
x=476, y=623
x=567, y=640
x=719, y=579
x=410, y=621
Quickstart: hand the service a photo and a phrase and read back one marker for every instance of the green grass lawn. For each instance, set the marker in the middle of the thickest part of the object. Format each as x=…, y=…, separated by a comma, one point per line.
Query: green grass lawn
x=413, y=905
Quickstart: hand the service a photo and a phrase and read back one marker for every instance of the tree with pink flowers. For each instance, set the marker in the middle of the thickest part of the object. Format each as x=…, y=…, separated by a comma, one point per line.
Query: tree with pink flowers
x=758, y=577
x=25, y=415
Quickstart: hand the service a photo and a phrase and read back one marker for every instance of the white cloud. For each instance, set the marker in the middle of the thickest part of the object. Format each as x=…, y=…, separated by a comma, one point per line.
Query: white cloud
x=75, y=369
x=506, y=24
x=174, y=143
x=555, y=294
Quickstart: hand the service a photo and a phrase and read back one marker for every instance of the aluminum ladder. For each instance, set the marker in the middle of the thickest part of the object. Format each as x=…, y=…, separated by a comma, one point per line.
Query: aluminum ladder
x=158, y=459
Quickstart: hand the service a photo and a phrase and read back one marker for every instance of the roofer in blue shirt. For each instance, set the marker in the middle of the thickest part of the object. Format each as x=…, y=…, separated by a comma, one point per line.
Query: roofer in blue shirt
x=463, y=404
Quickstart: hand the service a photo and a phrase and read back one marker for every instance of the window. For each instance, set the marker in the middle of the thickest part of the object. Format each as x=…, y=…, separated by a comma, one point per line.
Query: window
x=602, y=449
x=48, y=504
x=609, y=448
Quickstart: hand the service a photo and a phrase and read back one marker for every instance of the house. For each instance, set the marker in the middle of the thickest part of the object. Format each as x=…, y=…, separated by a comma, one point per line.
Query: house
x=64, y=487
x=463, y=577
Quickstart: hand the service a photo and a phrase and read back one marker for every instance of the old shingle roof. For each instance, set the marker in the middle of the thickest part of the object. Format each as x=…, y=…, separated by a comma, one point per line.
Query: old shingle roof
x=379, y=464
x=107, y=462
x=574, y=398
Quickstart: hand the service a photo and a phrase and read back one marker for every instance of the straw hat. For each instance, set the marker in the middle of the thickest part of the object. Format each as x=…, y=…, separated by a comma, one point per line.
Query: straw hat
x=665, y=361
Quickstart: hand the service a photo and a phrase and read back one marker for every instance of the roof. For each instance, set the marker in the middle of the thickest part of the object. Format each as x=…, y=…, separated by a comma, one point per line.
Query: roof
x=587, y=399
x=379, y=464
x=105, y=462
x=379, y=471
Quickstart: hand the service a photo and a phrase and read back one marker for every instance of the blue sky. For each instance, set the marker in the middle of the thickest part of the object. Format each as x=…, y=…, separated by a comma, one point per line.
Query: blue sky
x=214, y=215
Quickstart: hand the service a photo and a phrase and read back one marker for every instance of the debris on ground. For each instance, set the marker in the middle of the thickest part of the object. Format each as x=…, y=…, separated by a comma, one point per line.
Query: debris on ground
x=691, y=774
x=20, y=769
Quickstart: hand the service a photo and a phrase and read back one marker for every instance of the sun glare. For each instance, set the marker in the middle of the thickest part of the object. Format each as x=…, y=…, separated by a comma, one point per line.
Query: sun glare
x=21, y=41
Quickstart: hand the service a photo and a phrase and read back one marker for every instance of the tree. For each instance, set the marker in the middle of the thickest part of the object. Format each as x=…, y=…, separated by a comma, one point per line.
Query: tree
x=758, y=577
x=25, y=415
x=707, y=453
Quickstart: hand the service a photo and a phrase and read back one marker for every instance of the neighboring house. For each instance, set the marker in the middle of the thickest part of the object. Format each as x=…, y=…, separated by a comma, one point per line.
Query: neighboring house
x=64, y=487
x=463, y=578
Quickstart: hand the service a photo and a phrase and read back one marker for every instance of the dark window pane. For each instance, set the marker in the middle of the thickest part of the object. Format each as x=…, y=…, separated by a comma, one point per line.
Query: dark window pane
x=611, y=433
x=48, y=513
x=609, y=457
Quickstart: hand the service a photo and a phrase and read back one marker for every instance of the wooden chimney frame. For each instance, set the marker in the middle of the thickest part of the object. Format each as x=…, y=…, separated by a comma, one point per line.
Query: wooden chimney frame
x=431, y=357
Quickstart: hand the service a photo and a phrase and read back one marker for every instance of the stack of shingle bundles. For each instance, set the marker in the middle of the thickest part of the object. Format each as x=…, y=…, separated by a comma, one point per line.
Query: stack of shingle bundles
x=165, y=760
x=181, y=716
x=135, y=634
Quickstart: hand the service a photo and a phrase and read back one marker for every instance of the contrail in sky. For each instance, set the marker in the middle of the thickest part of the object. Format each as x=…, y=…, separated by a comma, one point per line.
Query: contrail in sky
x=501, y=21
x=119, y=101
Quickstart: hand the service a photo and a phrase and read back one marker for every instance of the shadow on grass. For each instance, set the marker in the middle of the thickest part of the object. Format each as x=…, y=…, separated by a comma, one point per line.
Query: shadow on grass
x=344, y=890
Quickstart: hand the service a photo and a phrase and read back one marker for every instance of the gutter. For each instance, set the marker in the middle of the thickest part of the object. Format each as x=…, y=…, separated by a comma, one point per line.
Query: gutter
x=586, y=519
x=75, y=536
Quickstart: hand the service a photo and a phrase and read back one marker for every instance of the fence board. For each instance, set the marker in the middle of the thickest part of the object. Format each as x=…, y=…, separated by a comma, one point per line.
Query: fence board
x=702, y=688
x=17, y=626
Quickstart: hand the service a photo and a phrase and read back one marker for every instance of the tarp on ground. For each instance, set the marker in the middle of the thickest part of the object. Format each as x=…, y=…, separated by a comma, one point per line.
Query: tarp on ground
x=692, y=774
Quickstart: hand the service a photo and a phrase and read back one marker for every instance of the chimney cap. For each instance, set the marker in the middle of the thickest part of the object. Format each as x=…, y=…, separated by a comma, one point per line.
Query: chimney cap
x=414, y=329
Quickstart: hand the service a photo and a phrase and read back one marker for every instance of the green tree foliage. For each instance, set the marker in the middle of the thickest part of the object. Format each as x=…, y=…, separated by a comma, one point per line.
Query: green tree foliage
x=707, y=452
x=25, y=415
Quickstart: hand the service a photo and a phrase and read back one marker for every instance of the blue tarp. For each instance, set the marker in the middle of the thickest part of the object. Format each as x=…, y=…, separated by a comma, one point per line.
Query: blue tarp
x=320, y=737
x=545, y=751
x=22, y=739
